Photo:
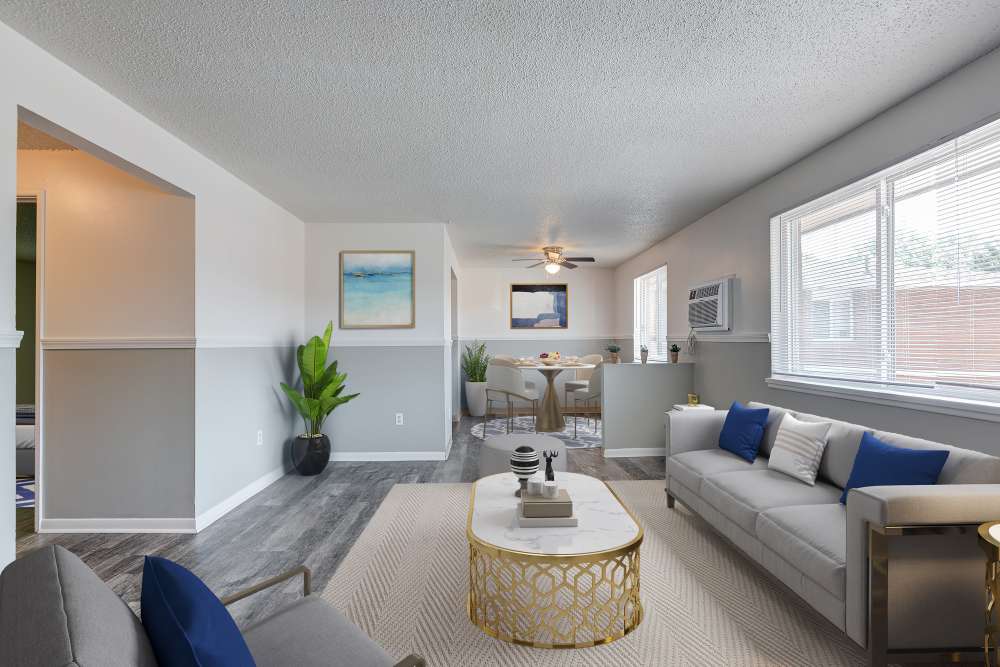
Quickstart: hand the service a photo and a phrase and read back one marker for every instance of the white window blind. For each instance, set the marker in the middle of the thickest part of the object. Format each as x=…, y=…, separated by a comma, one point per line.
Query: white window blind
x=650, y=314
x=895, y=280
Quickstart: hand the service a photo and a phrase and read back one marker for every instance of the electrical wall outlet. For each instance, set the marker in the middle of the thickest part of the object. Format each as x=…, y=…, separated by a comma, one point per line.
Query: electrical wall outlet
x=260, y=438
x=399, y=419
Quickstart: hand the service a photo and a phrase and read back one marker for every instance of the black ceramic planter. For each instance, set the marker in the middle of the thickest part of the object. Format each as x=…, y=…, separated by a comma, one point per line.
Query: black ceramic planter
x=310, y=454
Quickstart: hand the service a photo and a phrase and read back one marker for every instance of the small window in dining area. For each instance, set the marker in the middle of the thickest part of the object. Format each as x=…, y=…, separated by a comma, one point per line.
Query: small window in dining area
x=650, y=314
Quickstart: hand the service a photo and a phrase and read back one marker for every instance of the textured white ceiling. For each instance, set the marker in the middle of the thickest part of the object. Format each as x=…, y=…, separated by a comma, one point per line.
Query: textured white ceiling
x=29, y=138
x=601, y=127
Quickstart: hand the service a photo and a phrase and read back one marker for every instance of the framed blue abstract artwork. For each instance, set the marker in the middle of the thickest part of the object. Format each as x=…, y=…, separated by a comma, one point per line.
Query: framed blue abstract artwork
x=377, y=289
x=539, y=306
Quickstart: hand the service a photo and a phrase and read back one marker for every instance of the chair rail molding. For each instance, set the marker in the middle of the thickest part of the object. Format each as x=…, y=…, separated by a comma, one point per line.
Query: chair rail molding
x=11, y=339
x=50, y=343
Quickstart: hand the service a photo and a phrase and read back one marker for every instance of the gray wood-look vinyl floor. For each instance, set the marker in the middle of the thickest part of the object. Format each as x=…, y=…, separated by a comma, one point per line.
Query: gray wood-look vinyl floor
x=311, y=520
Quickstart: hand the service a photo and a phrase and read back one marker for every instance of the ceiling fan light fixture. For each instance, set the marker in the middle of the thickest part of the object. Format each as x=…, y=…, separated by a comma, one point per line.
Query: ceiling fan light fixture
x=552, y=268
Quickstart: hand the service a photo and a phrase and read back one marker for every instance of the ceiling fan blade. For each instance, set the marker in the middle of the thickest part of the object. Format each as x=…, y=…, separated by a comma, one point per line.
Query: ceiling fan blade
x=580, y=259
x=525, y=259
x=534, y=265
x=568, y=265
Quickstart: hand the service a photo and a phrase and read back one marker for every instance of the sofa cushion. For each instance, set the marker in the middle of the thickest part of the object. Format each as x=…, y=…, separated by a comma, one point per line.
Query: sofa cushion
x=881, y=464
x=813, y=538
x=963, y=466
x=842, y=441
x=774, y=417
x=741, y=496
x=54, y=610
x=311, y=633
x=742, y=431
x=691, y=467
x=187, y=625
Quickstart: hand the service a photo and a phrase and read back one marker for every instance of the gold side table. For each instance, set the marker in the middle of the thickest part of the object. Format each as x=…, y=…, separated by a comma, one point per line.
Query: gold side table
x=989, y=540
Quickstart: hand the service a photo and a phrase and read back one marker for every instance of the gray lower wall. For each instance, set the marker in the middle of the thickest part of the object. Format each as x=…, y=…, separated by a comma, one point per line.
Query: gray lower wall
x=534, y=347
x=726, y=372
x=407, y=379
x=635, y=397
x=238, y=394
x=119, y=434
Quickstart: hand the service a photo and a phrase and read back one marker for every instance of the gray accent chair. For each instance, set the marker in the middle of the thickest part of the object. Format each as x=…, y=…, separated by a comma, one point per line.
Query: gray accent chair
x=898, y=569
x=55, y=611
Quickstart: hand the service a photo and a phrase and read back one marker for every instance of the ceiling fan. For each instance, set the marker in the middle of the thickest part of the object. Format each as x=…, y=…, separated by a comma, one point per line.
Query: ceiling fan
x=553, y=259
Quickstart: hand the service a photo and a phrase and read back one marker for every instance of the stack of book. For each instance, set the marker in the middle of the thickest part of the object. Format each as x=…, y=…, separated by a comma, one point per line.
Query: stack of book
x=542, y=512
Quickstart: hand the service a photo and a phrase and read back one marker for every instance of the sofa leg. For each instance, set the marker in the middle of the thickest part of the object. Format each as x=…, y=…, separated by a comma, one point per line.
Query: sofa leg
x=670, y=500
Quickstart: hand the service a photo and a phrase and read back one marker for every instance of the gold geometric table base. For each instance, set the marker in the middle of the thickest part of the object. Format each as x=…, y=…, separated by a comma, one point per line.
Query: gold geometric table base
x=554, y=601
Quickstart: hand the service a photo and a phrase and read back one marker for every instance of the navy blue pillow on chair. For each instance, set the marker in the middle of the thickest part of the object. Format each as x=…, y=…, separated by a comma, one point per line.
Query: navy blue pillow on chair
x=743, y=430
x=881, y=464
x=187, y=625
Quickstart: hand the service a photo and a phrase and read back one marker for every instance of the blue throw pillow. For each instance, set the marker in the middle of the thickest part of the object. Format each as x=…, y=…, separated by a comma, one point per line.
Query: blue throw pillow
x=187, y=625
x=881, y=464
x=742, y=432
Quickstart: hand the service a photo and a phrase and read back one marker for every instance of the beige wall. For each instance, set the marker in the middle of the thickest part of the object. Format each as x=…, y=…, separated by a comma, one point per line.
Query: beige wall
x=119, y=253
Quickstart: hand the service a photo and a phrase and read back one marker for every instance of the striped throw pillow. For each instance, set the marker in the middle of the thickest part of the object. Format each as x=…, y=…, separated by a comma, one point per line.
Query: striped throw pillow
x=798, y=448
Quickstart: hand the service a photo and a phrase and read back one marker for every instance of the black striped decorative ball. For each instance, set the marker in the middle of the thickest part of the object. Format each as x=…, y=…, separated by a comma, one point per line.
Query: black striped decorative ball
x=524, y=462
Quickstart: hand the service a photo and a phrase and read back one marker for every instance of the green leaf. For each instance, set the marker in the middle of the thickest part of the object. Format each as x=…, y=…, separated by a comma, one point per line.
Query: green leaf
x=297, y=400
x=312, y=364
x=328, y=334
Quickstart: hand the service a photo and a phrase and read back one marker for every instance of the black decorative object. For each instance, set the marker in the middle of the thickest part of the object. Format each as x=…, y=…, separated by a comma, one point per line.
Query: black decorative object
x=311, y=453
x=524, y=464
x=550, y=475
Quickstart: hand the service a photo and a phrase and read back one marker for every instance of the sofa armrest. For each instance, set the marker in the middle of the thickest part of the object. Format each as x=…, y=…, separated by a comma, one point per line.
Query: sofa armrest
x=690, y=430
x=921, y=505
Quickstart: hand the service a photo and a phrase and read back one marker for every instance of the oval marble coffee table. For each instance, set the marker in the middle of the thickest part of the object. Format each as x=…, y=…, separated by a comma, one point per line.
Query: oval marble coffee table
x=553, y=587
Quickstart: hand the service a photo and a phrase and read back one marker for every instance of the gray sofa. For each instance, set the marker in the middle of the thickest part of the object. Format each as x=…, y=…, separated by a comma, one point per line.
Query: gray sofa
x=54, y=610
x=927, y=589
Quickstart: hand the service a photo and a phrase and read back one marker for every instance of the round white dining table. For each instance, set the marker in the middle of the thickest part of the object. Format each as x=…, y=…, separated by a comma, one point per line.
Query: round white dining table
x=550, y=417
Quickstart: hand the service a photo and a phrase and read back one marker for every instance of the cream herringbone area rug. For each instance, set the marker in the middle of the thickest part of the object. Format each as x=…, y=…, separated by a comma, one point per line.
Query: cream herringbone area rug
x=406, y=578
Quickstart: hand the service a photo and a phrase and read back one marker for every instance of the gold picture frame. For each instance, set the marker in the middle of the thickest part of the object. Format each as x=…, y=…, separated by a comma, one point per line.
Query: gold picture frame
x=510, y=307
x=379, y=284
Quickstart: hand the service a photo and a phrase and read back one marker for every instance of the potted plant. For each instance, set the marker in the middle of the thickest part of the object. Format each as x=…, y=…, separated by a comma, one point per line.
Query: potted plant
x=474, y=363
x=674, y=351
x=613, y=351
x=644, y=353
x=322, y=391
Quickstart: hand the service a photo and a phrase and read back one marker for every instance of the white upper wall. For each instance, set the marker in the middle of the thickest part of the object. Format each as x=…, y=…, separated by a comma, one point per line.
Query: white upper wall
x=324, y=243
x=114, y=246
x=734, y=238
x=249, y=276
x=484, y=302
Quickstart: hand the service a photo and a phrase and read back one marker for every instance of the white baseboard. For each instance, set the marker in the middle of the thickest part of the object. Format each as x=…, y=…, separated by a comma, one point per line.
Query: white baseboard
x=389, y=456
x=220, y=509
x=634, y=451
x=117, y=525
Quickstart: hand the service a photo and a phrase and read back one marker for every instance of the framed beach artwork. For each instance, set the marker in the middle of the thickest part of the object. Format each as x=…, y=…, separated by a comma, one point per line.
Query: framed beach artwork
x=377, y=289
x=539, y=306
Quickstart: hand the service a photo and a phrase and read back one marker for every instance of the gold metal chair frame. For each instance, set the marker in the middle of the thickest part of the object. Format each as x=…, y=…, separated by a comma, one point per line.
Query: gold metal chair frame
x=510, y=408
x=554, y=601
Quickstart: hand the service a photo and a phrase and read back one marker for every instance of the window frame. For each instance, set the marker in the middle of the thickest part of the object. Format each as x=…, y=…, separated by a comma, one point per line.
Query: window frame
x=966, y=400
x=661, y=299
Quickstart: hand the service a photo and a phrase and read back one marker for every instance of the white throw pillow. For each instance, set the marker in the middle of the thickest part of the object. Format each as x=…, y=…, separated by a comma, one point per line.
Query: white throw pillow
x=798, y=448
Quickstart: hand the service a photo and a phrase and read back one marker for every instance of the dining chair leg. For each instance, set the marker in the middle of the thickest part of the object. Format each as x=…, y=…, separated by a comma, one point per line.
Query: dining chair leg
x=509, y=418
x=576, y=416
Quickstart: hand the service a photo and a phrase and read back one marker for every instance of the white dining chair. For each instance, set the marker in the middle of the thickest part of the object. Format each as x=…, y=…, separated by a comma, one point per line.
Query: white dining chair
x=593, y=392
x=506, y=360
x=582, y=377
x=506, y=383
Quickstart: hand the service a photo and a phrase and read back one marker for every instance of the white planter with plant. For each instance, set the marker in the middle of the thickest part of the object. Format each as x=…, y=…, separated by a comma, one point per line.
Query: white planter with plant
x=474, y=363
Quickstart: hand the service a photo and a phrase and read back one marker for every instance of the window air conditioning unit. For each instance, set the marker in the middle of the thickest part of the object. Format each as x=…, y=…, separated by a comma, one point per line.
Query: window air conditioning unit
x=708, y=305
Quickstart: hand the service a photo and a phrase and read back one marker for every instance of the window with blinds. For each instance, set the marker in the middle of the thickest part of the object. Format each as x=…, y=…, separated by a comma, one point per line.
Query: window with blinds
x=650, y=314
x=895, y=280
